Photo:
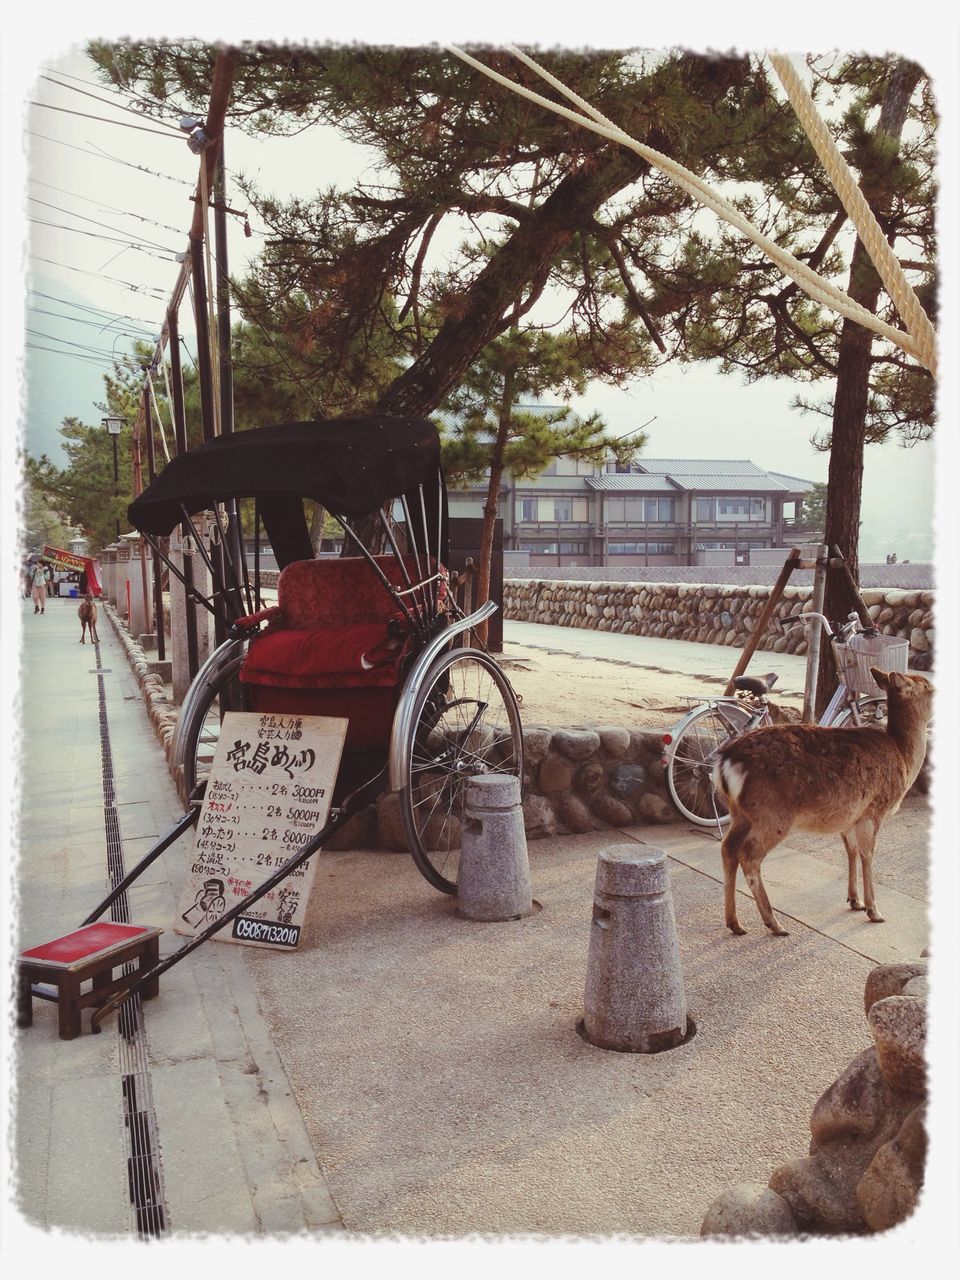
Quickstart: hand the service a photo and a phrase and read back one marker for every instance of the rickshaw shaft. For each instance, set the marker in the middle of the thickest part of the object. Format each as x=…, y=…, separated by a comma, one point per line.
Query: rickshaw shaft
x=350, y=806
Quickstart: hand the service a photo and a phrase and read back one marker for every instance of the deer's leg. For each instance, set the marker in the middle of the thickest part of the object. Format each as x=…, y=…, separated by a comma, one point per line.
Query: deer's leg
x=753, y=851
x=862, y=837
x=853, y=897
x=731, y=862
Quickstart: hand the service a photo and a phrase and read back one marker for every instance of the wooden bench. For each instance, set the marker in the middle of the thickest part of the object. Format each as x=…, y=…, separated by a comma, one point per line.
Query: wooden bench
x=91, y=953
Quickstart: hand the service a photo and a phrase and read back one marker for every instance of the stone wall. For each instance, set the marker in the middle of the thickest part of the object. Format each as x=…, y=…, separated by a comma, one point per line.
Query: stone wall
x=578, y=779
x=708, y=613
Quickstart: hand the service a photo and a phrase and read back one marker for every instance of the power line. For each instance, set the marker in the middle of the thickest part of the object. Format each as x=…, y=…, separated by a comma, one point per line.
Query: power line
x=100, y=154
x=81, y=346
x=137, y=97
x=135, y=288
x=74, y=355
x=80, y=306
x=118, y=106
x=94, y=235
x=126, y=213
x=95, y=324
x=103, y=119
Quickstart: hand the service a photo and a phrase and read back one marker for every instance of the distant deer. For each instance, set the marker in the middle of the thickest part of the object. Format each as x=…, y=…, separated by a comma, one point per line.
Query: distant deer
x=87, y=613
x=789, y=777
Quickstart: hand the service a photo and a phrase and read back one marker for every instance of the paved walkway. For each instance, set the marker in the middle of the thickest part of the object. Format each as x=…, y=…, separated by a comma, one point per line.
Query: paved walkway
x=226, y=1149
x=406, y=1071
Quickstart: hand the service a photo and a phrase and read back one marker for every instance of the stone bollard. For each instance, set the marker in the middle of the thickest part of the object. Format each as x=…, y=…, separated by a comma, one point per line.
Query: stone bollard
x=634, y=999
x=494, y=880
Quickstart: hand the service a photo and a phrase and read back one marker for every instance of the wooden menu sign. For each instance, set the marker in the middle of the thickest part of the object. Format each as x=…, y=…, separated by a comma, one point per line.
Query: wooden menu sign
x=269, y=791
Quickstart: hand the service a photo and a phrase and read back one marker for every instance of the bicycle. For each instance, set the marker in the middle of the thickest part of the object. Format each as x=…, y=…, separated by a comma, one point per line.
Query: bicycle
x=692, y=748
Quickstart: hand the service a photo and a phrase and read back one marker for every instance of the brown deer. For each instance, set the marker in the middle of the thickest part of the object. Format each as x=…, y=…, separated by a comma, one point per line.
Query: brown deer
x=798, y=777
x=87, y=613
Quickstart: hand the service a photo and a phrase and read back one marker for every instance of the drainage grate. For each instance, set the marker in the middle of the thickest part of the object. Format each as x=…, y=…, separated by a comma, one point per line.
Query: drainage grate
x=143, y=1146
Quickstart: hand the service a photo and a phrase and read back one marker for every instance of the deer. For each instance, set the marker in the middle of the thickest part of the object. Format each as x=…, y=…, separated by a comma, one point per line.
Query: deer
x=87, y=613
x=800, y=777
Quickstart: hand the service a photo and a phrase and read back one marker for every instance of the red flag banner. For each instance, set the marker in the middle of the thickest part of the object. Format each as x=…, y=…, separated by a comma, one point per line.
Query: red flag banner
x=76, y=564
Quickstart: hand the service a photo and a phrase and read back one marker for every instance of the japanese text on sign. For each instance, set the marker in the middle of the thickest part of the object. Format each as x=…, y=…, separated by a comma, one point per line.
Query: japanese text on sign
x=268, y=794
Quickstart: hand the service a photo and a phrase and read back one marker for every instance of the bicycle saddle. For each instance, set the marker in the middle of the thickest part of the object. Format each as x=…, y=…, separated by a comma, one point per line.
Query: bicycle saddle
x=756, y=684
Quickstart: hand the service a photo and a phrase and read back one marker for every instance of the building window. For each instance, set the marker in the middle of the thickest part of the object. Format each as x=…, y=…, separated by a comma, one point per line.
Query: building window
x=540, y=548
x=732, y=507
x=535, y=510
x=640, y=510
x=641, y=548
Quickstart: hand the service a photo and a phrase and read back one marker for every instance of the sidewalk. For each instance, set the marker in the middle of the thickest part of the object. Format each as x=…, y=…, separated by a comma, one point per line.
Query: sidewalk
x=406, y=1070
x=219, y=1127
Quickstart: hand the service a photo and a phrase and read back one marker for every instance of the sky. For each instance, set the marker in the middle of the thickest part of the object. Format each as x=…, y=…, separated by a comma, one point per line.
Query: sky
x=87, y=189
x=695, y=414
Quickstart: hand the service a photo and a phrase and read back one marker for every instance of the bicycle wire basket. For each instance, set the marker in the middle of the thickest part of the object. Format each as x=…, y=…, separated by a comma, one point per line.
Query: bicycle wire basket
x=860, y=653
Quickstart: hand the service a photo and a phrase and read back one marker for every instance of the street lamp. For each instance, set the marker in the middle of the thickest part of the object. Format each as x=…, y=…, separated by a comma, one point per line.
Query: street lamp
x=114, y=427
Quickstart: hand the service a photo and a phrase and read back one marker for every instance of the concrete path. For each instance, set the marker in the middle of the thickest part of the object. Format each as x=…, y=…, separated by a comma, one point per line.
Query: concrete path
x=226, y=1149
x=407, y=1071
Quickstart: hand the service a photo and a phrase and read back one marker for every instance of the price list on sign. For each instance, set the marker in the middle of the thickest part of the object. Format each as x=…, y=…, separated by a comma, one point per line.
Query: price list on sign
x=268, y=793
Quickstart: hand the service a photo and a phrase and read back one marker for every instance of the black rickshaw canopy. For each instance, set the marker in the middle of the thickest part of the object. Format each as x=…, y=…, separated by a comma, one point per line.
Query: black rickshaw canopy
x=350, y=466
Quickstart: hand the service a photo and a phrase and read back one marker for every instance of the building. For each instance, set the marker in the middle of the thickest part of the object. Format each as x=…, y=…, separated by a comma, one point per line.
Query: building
x=656, y=511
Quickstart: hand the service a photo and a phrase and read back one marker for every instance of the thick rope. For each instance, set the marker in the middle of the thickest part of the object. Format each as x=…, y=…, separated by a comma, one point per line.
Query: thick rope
x=816, y=286
x=861, y=215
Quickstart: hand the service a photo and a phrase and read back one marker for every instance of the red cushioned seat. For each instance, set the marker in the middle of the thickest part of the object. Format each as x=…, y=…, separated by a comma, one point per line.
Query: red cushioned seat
x=331, y=650
x=363, y=655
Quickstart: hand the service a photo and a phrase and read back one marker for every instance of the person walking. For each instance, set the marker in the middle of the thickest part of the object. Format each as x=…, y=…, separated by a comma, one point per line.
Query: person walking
x=39, y=583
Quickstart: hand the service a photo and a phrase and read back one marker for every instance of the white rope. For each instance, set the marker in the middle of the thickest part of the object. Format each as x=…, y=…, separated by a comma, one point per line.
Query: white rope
x=861, y=215
x=156, y=410
x=818, y=288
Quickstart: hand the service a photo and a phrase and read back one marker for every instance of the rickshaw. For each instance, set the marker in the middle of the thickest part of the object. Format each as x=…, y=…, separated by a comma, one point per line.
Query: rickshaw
x=368, y=636
x=376, y=637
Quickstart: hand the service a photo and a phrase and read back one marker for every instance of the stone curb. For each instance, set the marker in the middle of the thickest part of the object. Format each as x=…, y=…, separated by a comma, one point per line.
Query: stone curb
x=161, y=711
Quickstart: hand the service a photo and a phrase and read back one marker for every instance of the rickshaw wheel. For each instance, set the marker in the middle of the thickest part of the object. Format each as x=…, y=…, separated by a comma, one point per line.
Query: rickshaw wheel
x=201, y=735
x=465, y=721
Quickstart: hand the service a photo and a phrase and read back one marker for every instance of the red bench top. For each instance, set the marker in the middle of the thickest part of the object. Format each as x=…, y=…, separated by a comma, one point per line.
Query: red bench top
x=88, y=942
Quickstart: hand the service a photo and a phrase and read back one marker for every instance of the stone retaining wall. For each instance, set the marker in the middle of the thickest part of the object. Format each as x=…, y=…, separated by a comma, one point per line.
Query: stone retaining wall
x=708, y=613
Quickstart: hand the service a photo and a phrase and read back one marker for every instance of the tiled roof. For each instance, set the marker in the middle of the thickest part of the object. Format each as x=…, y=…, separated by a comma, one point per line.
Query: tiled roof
x=730, y=474
x=794, y=483
x=632, y=483
x=701, y=466
x=758, y=482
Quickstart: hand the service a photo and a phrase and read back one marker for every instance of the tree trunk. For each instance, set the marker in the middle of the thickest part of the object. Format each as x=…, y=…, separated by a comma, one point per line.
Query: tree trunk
x=845, y=474
x=492, y=502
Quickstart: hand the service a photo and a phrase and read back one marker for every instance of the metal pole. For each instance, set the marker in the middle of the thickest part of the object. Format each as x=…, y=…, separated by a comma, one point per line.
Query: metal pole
x=116, y=479
x=813, y=652
x=180, y=432
x=157, y=590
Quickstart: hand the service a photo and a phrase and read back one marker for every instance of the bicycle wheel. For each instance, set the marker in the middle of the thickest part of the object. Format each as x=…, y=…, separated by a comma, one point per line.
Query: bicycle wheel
x=691, y=757
x=198, y=729
x=870, y=711
x=465, y=721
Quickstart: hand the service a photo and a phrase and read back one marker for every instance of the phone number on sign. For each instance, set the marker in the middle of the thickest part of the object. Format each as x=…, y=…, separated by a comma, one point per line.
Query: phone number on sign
x=279, y=935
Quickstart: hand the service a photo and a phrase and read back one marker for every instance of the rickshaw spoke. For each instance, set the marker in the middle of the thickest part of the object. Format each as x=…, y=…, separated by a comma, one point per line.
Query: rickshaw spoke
x=467, y=724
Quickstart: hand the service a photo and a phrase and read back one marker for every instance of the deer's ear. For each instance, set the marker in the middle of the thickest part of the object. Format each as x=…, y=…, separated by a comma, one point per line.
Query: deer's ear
x=882, y=677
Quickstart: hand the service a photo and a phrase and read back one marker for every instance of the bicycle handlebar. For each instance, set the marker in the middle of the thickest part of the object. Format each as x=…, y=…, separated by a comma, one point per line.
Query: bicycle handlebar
x=841, y=633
